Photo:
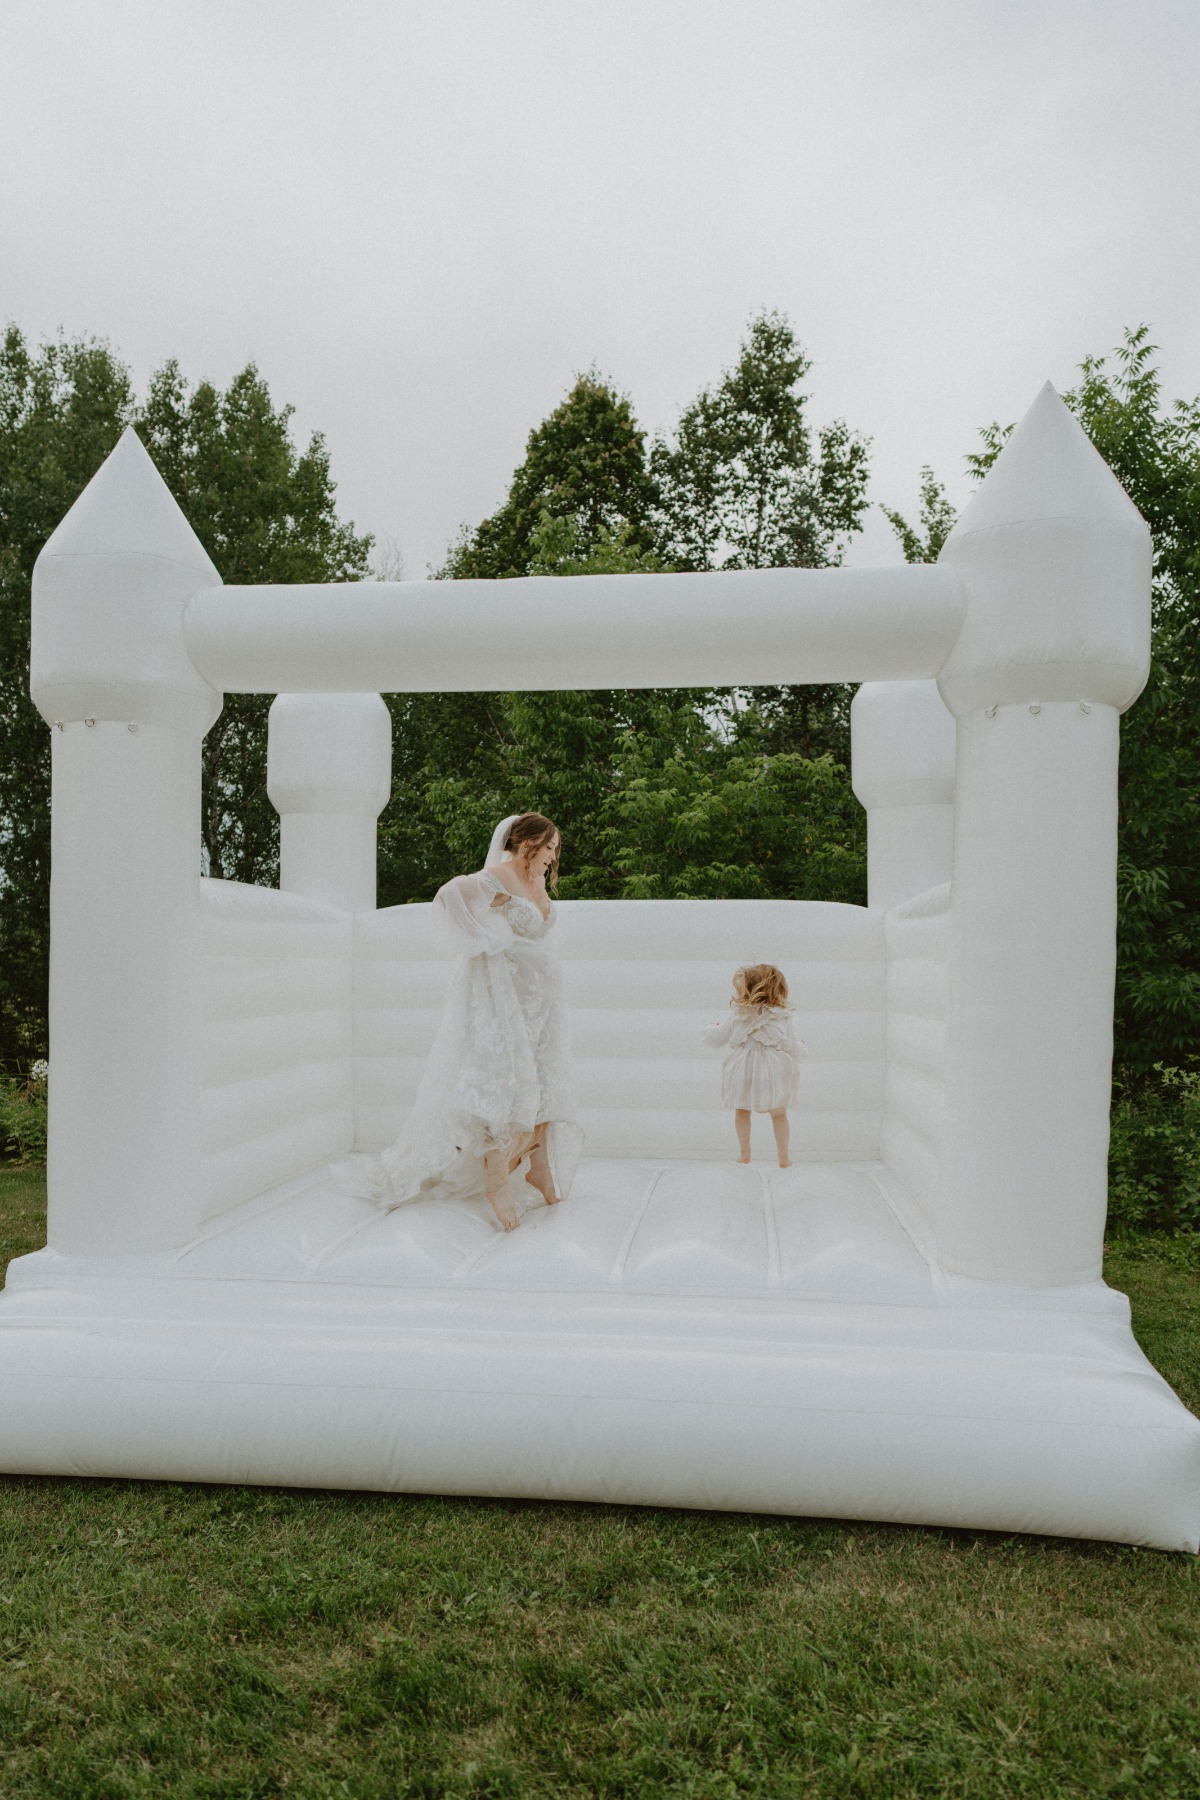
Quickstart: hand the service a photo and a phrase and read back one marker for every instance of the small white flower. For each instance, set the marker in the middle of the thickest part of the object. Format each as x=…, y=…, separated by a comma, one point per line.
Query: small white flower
x=40, y=1070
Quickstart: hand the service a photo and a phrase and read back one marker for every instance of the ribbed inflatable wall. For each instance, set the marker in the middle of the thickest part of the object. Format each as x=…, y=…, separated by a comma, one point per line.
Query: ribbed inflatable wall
x=917, y=937
x=643, y=978
x=275, y=997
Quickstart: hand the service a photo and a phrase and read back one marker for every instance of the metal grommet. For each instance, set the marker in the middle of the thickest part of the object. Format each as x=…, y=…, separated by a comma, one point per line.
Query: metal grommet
x=1084, y=707
x=60, y=725
x=989, y=712
x=132, y=726
x=1035, y=706
x=89, y=721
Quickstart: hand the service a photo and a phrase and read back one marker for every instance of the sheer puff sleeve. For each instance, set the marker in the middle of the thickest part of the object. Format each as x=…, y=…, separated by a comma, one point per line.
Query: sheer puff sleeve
x=718, y=1033
x=468, y=921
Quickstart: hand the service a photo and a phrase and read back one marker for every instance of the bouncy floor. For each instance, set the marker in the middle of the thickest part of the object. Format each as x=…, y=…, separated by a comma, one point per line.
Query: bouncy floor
x=687, y=1334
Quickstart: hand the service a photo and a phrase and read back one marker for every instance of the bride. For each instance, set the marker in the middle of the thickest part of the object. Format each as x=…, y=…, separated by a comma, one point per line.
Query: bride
x=497, y=1087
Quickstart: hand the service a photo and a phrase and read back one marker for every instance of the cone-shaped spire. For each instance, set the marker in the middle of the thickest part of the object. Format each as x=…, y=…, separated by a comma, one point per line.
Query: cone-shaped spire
x=128, y=509
x=1048, y=469
x=1056, y=560
x=109, y=592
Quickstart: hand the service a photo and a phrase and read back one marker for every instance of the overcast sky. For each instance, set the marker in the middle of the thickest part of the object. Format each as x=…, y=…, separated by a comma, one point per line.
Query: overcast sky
x=422, y=217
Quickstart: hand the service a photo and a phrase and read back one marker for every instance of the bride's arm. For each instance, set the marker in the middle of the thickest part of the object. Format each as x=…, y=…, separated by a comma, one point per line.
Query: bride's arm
x=471, y=921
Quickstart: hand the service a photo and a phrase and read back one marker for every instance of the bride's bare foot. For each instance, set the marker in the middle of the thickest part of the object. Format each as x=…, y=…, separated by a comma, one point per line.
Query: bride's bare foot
x=551, y=1198
x=501, y=1203
x=538, y=1174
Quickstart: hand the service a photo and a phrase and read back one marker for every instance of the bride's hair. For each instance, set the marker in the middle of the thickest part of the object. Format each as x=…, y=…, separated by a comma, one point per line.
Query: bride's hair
x=527, y=834
x=762, y=984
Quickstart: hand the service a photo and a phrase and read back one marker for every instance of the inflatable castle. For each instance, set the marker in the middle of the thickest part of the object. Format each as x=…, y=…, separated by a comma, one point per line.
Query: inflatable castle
x=908, y=1324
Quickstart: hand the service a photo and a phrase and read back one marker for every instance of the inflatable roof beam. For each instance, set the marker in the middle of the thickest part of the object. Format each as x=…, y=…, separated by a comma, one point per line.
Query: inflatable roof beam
x=1056, y=562
x=596, y=631
x=110, y=675
x=329, y=776
x=902, y=756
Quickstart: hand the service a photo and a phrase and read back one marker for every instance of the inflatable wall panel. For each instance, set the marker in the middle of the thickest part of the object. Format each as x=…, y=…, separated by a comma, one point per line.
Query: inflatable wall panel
x=914, y=1108
x=275, y=982
x=643, y=978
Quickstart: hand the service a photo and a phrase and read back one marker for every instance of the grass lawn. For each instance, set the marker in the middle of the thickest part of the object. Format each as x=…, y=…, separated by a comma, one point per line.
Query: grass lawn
x=165, y=1640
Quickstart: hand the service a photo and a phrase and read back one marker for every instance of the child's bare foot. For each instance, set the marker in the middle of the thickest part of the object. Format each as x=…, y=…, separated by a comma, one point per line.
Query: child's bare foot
x=501, y=1203
x=743, y=1159
x=785, y=1165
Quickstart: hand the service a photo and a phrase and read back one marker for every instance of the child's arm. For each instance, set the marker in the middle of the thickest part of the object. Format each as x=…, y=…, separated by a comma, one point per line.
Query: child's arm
x=718, y=1032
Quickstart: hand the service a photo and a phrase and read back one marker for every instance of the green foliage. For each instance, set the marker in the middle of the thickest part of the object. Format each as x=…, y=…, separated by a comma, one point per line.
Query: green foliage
x=264, y=512
x=1154, y=1155
x=585, y=463
x=61, y=411
x=1154, y=451
x=923, y=542
x=727, y=824
x=740, y=487
x=23, y=1115
x=612, y=768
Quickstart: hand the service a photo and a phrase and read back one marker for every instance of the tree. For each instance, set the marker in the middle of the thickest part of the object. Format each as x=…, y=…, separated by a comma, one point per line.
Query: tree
x=923, y=543
x=741, y=488
x=264, y=512
x=587, y=463
x=62, y=409
x=1154, y=451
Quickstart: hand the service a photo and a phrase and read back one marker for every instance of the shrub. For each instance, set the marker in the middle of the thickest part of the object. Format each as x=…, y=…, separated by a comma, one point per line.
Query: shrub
x=1154, y=1154
x=23, y=1115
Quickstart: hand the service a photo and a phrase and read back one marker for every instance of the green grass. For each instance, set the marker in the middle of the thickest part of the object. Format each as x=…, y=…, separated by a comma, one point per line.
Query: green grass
x=164, y=1640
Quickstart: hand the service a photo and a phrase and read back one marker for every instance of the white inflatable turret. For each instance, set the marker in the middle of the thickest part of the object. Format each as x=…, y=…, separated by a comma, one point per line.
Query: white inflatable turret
x=1055, y=560
x=110, y=675
x=902, y=757
x=329, y=775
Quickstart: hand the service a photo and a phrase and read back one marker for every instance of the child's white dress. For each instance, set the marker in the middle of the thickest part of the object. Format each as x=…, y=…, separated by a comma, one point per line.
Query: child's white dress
x=759, y=1071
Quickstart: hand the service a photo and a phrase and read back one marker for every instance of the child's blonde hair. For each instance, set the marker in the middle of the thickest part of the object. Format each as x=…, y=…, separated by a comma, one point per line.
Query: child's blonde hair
x=760, y=984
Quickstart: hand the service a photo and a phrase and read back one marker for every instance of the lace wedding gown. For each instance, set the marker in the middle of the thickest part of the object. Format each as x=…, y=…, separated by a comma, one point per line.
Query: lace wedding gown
x=501, y=1062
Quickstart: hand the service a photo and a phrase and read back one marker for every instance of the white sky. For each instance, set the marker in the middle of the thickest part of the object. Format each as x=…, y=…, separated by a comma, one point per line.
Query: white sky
x=422, y=217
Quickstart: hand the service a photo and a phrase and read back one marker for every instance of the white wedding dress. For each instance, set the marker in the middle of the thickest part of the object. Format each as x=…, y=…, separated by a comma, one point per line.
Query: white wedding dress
x=500, y=1066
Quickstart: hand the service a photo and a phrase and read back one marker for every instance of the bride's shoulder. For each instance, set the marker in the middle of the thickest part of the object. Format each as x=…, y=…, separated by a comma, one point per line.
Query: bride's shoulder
x=481, y=885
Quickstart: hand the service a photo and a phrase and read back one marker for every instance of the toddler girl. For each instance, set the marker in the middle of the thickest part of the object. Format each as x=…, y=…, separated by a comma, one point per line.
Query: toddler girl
x=759, y=1071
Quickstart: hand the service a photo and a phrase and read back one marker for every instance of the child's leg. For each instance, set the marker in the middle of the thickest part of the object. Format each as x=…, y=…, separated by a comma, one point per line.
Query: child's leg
x=779, y=1121
x=741, y=1124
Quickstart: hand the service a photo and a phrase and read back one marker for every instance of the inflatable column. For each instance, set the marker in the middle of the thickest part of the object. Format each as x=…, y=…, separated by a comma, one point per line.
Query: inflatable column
x=127, y=712
x=1056, y=563
x=902, y=758
x=329, y=776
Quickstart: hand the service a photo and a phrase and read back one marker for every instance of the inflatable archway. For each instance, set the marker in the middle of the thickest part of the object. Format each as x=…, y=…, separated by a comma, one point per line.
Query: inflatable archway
x=909, y=1324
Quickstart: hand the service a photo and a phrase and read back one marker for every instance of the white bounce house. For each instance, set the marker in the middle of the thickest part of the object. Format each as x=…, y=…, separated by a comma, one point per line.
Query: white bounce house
x=909, y=1324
